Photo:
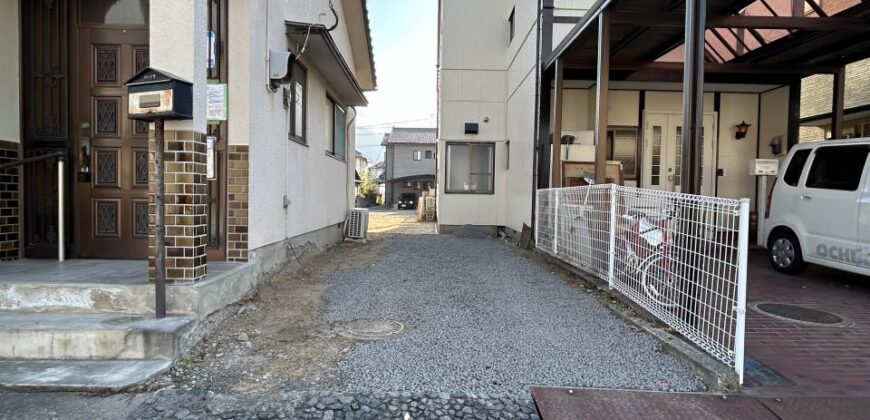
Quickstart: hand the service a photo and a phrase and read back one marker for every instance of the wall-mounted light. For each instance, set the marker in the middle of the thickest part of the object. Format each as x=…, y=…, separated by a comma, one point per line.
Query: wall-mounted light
x=742, y=129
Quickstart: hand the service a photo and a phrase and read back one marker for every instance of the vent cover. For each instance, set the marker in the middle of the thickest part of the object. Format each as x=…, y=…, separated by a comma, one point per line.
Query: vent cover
x=357, y=224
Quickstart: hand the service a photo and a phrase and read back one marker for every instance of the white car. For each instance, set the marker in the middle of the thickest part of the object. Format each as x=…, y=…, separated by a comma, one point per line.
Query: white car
x=819, y=208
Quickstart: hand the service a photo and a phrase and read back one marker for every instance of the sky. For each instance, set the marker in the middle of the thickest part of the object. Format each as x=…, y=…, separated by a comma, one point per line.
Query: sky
x=405, y=46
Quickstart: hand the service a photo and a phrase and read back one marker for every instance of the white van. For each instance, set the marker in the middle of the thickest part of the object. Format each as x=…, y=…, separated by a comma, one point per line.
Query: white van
x=819, y=208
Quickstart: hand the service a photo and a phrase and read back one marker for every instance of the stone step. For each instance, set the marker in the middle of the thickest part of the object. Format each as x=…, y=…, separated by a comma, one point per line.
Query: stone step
x=94, y=298
x=55, y=336
x=77, y=375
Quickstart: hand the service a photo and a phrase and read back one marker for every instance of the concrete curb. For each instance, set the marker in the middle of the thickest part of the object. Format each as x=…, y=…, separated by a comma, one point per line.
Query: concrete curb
x=715, y=375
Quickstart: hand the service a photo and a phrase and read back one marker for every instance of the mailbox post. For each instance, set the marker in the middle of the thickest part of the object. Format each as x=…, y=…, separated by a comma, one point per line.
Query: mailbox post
x=156, y=96
x=762, y=169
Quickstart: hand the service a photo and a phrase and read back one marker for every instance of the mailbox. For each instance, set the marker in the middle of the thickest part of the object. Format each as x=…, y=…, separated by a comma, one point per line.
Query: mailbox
x=153, y=94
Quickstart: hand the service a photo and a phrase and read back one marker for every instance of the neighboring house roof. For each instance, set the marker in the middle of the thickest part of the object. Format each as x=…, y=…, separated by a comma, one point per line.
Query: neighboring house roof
x=405, y=135
x=362, y=155
x=379, y=165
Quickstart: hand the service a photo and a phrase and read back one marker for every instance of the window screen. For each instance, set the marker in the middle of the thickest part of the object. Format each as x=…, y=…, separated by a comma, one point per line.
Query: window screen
x=796, y=167
x=470, y=168
x=837, y=168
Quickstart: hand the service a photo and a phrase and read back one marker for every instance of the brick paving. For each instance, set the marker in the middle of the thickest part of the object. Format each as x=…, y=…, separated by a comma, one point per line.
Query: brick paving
x=821, y=361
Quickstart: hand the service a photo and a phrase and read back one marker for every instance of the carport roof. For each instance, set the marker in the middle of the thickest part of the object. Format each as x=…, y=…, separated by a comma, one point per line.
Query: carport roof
x=647, y=36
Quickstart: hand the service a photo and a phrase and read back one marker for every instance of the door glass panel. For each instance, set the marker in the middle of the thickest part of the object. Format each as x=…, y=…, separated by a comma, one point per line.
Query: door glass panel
x=118, y=12
x=656, y=164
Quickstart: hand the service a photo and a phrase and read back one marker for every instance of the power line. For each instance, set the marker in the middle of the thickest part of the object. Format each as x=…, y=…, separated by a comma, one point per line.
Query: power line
x=387, y=124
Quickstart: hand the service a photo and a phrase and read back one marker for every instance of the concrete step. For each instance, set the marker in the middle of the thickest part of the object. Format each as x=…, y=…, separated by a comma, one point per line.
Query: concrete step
x=84, y=298
x=55, y=336
x=77, y=375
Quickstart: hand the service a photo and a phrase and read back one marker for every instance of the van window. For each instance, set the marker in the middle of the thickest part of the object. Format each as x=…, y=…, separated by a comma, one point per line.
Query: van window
x=796, y=167
x=837, y=168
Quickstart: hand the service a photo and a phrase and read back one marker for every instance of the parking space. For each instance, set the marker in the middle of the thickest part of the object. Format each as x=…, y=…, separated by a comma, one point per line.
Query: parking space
x=827, y=359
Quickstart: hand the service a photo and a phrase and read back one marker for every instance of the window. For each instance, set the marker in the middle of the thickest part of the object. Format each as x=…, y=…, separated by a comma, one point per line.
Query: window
x=337, y=130
x=507, y=155
x=796, y=167
x=470, y=168
x=296, y=99
x=418, y=155
x=428, y=154
x=622, y=146
x=408, y=184
x=837, y=168
x=418, y=185
x=512, y=27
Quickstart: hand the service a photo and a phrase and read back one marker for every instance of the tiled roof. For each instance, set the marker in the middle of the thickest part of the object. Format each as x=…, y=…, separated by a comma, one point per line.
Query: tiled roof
x=402, y=135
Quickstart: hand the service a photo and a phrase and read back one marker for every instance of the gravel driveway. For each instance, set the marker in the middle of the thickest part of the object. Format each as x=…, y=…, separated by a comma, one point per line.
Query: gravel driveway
x=484, y=318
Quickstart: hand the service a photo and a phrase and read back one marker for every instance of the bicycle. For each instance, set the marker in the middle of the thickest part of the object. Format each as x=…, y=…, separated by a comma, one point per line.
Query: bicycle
x=645, y=246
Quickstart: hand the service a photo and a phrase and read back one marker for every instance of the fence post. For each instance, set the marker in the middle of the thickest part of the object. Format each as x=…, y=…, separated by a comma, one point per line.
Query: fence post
x=556, y=223
x=742, y=261
x=537, y=226
x=611, y=258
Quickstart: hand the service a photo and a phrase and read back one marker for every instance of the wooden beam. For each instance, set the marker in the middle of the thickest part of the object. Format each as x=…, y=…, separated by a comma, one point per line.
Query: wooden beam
x=794, y=113
x=558, y=94
x=839, y=104
x=816, y=8
x=674, y=20
x=601, y=92
x=738, y=68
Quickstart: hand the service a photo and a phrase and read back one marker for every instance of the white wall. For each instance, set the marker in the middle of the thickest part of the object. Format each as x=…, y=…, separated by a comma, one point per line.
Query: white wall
x=178, y=43
x=320, y=187
x=10, y=77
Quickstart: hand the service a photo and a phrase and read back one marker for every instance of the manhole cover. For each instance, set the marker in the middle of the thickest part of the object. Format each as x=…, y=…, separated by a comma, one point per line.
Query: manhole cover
x=366, y=329
x=800, y=314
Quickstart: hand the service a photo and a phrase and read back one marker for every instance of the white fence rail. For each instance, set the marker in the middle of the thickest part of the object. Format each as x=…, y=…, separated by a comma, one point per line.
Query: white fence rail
x=681, y=257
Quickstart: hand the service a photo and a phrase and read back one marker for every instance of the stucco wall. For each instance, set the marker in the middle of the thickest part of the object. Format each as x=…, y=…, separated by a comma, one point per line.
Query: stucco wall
x=178, y=44
x=735, y=155
x=403, y=163
x=319, y=187
x=10, y=77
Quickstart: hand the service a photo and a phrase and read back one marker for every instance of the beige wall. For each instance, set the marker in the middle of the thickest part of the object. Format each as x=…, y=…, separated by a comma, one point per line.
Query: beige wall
x=403, y=164
x=177, y=32
x=816, y=91
x=735, y=155
x=320, y=188
x=10, y=69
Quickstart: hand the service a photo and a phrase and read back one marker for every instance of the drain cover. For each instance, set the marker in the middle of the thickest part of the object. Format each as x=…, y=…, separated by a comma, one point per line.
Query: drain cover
x=800, y=314
x=366, y=329
x=764, y=374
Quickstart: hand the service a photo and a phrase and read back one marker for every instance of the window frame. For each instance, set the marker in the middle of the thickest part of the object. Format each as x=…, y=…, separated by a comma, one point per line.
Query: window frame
x=447, y=145
x=416, y=155
x=335, y=107
x=291, y=135
x=428, y=154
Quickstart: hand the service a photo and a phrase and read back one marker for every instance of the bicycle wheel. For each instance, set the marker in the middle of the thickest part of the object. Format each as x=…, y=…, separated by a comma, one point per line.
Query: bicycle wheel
x=659, y=280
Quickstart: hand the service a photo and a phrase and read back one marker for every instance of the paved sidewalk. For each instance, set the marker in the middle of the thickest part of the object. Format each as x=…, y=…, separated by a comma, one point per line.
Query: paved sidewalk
x=604, y=404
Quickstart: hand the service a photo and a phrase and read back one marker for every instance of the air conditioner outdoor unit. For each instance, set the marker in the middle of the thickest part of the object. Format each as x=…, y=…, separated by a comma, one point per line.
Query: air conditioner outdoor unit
x=357, y=224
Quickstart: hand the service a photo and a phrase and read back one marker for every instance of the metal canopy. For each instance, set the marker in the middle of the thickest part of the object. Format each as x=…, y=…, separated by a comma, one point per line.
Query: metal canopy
x=643, y=31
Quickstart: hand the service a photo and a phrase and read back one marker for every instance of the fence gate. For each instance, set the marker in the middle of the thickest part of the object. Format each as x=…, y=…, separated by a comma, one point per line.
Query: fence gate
x=681, y=257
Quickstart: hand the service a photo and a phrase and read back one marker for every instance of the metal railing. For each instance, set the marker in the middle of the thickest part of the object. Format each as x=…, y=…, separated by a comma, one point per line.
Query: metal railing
x=61, y=228
x=681, y=257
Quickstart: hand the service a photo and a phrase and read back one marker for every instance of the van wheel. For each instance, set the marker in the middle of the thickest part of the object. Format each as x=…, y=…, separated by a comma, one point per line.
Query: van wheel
x=785, y=253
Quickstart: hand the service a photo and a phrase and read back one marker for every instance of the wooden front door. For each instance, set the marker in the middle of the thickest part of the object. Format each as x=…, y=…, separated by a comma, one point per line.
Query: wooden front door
x=111, y=205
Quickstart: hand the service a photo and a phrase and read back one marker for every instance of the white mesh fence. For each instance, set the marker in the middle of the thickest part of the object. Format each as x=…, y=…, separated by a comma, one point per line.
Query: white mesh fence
x=681, y=257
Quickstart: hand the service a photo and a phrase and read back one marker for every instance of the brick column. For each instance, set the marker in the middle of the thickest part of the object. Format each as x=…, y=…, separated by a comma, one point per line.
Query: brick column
x=237, y=203
x=9, y=204
x=186, y=206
